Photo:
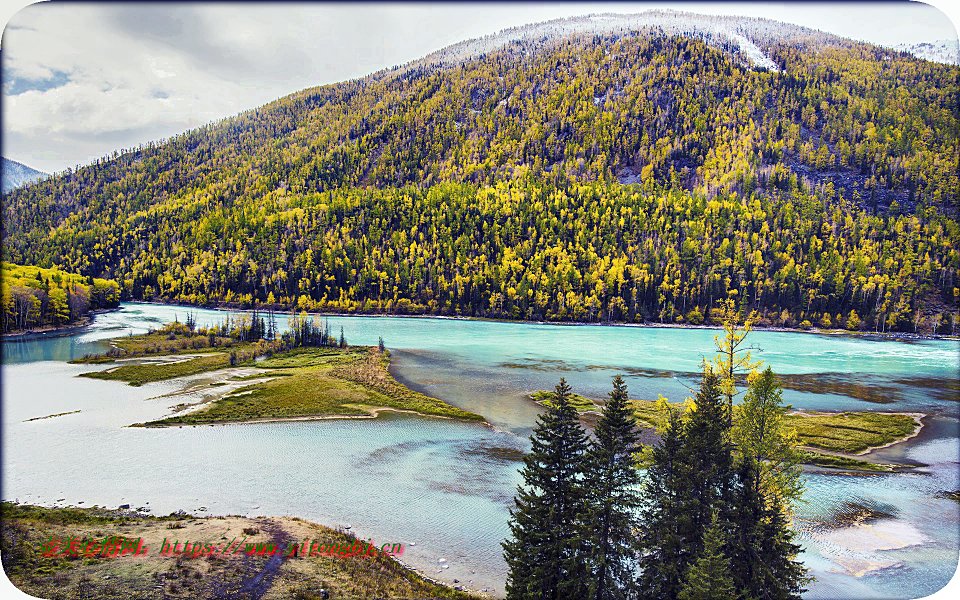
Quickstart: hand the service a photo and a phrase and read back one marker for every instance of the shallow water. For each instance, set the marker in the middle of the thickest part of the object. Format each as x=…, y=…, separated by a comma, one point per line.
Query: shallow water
x=447, y=486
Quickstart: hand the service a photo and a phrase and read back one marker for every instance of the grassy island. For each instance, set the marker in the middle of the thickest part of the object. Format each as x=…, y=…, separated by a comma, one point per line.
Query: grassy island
x=261, y=381
x=151, y=574
x=827, y=439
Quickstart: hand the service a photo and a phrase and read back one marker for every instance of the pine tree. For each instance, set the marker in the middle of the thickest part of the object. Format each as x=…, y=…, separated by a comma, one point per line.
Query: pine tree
x=611, y=480
x=343, y=340
x=761, y=544
x=708, y=454
x=780, y=576
x=543, y=556
x=709, y=578
x=664, y=552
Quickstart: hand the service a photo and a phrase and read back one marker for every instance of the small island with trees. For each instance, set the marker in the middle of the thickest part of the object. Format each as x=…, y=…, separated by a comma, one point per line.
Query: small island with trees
x=255, y=374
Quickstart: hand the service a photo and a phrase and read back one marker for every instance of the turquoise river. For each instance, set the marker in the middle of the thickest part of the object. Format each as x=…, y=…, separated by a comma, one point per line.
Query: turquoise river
x=447, y=486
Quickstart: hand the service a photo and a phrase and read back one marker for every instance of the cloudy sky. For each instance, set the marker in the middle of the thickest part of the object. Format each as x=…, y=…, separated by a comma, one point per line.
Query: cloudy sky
x=81, y=80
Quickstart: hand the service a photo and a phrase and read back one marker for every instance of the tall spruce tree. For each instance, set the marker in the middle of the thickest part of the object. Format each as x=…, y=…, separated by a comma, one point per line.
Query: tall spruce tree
x=779, y=576
x=763, y=555
x=544, y=557
x=664, y=549
x=710, y=577
x=707, y=452
x=611, y=488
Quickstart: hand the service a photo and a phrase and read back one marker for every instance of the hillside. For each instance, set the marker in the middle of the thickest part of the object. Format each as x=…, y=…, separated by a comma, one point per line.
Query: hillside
x=602, y=168
x=16, y=174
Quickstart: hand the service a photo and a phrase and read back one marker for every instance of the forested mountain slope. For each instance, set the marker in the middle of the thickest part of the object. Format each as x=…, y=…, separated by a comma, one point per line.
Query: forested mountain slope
x=624, y=174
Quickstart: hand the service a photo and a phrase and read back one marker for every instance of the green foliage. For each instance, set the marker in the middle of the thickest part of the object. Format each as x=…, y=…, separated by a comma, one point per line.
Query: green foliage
x=763, y=435
x=664, y=518
x=544, y=554
x=36, y=297
x=611, y=481
x=709, y=578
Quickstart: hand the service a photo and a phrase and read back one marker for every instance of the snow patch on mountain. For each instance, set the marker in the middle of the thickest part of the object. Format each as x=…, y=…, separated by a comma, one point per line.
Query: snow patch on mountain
x=941, y=51
x=747, y=34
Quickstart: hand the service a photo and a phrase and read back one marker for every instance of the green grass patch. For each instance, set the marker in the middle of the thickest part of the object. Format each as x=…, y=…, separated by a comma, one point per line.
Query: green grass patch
x=843, y=462
x=851, y=432
x=140, y=374
x=256, y=376
x=318, y=382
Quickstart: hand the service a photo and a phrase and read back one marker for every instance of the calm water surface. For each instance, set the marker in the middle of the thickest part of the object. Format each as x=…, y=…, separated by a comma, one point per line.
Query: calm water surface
x=447, y=486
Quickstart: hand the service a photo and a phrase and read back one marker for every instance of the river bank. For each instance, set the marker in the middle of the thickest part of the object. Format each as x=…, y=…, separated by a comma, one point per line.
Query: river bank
x=236, y=557
x=886, y=335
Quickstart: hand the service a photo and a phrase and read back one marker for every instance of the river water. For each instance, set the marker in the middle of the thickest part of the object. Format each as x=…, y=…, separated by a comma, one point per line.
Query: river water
x=446, y=486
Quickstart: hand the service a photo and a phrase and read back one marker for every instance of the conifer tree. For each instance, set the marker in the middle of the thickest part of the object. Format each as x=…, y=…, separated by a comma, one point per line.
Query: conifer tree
x=664, y=551
x=708, y=454
x=780, y=576
x=763, y=555
x=709, y=578
x=611, y=480
x=543, y=556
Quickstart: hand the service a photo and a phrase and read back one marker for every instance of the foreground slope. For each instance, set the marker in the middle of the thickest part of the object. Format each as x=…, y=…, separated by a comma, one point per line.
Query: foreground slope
x=592, y=169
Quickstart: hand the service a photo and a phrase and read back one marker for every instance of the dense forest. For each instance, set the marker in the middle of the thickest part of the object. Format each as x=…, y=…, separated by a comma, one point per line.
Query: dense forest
x=632, y=176
x=35, y=297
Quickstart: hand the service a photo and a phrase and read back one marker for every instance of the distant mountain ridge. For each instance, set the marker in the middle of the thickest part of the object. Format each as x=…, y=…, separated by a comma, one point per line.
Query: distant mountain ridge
x=941, y=51
x=743, y=31
x=16, y=174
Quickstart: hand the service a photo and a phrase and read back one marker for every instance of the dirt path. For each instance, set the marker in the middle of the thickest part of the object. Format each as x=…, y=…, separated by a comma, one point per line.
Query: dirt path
x=255, y=584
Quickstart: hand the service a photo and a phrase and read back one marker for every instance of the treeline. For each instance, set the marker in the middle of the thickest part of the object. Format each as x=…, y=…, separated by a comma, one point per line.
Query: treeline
x=621, y=177
x=706, y=518
x=258, y=329
x=36, y=297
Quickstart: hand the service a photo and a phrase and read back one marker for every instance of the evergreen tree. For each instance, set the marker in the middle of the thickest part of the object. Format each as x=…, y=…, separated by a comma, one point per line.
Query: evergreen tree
x=611, y=481
x=343, y=340
x=708, y=454
x=744, y=542
x=664, y=551
x=779, y=576
x=544, y=556
x=709, y=578
x=761, y=544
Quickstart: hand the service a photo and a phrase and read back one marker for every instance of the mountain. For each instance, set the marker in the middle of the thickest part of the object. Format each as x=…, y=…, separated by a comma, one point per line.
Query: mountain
x=624, y=168
x=941, y=51
x=15, y=175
